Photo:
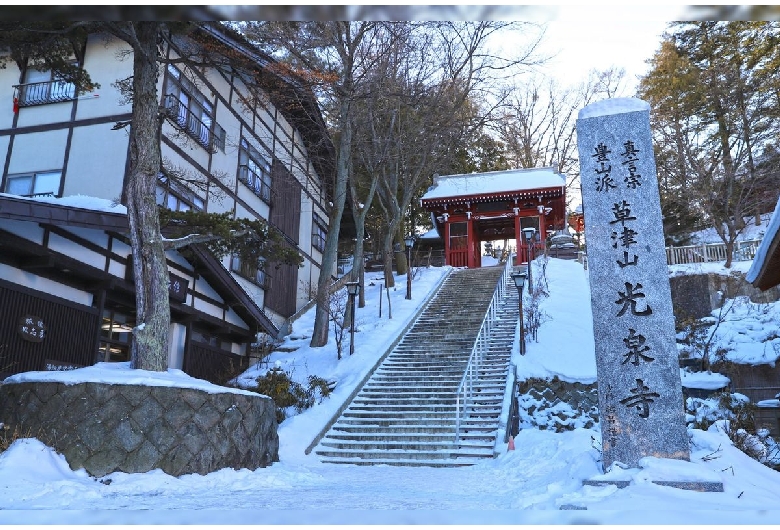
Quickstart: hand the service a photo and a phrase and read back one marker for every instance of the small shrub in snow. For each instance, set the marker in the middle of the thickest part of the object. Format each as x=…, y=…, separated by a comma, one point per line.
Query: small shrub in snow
x=735, y=414
x=289, y=395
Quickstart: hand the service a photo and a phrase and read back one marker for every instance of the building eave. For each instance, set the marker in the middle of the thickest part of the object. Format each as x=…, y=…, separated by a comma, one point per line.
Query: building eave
x=524, y=194
x=211, y=268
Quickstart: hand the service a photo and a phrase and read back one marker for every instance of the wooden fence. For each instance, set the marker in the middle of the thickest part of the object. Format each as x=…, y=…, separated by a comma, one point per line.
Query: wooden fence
x=743, y=251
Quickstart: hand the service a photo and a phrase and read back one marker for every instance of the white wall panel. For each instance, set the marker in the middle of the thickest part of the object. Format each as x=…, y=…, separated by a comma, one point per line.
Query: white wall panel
x=41, y=151
x=96, y=166
x=44, y=285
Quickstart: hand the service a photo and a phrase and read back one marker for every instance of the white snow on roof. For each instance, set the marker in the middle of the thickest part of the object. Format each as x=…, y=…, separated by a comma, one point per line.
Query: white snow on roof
x=430, y=234
x=761, y=254
x=606, y=107
x=77, y=201
x=494, y=182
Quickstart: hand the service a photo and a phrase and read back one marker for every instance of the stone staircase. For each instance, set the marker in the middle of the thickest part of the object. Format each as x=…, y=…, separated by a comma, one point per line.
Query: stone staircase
x=405, y=414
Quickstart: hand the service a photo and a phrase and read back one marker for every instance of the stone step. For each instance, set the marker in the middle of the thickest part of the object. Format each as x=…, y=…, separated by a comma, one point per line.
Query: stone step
x=363, y=446
x=361, y=429
x=410, y=366
x=412, y=442
x=415, y=408
x=406, y=414
x=391, y=421
x=420, y=400
x=358, y=461
x=378, y=419
x=423, y=361
x=402, y=379
x=449, y=387
x=383, y=456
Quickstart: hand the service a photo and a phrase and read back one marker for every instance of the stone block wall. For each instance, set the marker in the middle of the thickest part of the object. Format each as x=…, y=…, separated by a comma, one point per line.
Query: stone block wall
x=557, y=405
x=104, y=428
x=697, y=295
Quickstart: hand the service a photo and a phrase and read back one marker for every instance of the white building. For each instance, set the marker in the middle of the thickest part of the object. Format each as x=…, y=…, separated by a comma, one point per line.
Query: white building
x=266, y=156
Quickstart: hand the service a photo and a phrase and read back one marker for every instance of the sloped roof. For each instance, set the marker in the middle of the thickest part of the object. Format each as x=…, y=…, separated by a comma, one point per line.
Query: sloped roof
x=99, y=214
x=494, y=182
x=764, y=272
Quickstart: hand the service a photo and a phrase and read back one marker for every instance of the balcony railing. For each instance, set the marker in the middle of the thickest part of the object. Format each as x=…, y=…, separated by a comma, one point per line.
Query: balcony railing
x=31, y=94
x=210, y=137
x=255, y=182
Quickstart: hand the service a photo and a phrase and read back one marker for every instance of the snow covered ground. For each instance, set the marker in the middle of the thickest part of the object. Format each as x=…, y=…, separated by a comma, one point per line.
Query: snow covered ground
x=540, y=482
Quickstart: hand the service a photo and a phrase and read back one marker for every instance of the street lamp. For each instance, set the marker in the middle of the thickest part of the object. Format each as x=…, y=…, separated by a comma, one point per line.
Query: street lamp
x=409, y=242
x=529, y=237
x=352, y=289
x=519, y=279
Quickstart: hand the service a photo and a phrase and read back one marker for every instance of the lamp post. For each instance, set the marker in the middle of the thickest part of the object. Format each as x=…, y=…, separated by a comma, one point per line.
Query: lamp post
x=409, y=242
x=352, y=289
x=519, y=279
x=529, y=237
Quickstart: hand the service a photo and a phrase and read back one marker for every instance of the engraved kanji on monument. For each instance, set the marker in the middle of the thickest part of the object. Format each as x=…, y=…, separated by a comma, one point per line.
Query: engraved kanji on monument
x=640, y=392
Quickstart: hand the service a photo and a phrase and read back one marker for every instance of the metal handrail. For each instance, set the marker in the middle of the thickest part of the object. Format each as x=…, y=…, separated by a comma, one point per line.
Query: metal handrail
x=41, y=93
x=255, y=182
x=465, y=388
x=209, y=136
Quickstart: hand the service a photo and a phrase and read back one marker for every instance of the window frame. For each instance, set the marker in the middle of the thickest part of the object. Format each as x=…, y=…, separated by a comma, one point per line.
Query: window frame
x=319, y=232
x=33, y=175
x=167, y=189
x=115, y=336
x=192, y=111
x=259, y=180
x=250, y=272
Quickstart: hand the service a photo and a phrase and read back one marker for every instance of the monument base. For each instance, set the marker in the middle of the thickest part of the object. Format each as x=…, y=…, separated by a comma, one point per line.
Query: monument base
x=680, y=474
x=691, y=485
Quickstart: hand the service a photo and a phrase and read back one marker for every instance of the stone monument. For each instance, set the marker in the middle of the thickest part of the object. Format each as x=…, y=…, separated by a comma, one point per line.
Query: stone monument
x=640, y=392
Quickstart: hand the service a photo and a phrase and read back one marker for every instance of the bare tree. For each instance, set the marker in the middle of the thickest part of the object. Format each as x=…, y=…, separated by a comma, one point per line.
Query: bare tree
x=340, y=54
x=447, y=86
x=538, y=122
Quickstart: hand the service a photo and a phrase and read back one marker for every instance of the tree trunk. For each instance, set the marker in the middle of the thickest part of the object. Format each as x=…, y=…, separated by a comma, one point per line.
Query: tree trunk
x=319, y=335
x=150, y=336
x=358, y=261
x=387, y=259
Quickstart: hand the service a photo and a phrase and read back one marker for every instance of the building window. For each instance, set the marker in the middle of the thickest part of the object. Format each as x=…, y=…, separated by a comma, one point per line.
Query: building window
x=115, y=334
x=41, y=184
x=41, y=87
x=248, y=269
x=191, y=111
x=176, y=197
x=254, y=171
x=319, y=231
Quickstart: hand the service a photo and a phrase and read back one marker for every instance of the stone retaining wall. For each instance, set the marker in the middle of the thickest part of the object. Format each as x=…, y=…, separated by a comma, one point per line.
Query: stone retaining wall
x=104, y=428
x=557, y=405
x=697, y=295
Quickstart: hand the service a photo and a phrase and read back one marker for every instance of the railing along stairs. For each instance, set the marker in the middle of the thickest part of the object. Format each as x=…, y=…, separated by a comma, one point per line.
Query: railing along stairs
x=465, y=392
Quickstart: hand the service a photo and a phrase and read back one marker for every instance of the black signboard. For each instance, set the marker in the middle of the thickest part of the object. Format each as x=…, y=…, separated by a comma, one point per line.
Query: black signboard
x=32, y=328
x=177, y=288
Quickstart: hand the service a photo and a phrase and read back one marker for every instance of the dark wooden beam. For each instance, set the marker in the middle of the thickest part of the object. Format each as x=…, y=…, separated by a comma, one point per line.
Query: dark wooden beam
x=36, y=262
